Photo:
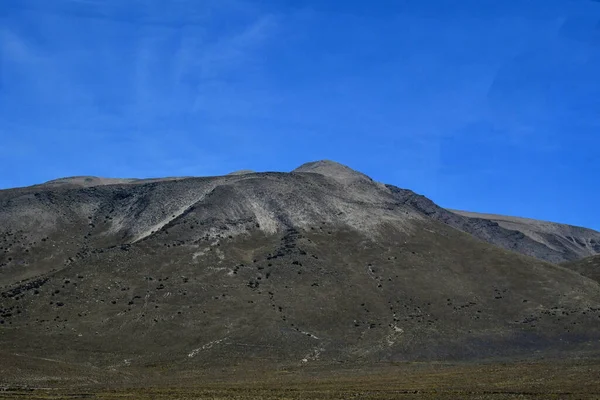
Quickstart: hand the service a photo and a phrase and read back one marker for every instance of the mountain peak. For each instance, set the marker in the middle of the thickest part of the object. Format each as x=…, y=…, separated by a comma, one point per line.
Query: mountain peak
x=242, y=172
x=333, y=170
x=88, y=181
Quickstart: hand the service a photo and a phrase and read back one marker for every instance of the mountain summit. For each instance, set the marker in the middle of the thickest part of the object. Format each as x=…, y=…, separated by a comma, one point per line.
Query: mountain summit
x=333, y=170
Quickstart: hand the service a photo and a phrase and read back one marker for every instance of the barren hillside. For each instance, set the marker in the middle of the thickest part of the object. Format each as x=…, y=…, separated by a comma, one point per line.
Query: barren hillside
x=321, y=265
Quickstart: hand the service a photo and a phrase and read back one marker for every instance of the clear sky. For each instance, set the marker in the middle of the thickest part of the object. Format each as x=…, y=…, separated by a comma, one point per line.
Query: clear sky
x=484, y=105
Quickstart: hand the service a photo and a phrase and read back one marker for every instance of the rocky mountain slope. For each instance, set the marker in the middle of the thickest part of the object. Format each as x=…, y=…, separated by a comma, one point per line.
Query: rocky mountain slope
x=319, y=265
x=564, y=242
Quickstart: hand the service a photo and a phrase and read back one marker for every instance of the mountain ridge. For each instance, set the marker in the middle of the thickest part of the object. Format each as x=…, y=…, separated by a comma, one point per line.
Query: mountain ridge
x=549, y=241
x=296, y=268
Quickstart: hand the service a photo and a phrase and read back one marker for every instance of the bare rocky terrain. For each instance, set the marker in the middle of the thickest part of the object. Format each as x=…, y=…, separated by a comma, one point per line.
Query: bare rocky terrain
x=320, y=266
x=561, y=242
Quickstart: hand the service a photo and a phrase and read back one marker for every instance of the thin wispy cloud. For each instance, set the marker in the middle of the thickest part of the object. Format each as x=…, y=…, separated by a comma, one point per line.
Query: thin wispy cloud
x=14, y=49
x=133, y=78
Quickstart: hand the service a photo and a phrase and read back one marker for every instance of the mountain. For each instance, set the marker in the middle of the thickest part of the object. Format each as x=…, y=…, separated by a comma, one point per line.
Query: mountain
x=320, y=265
x=561, y=242
x=518, y=238
x=90, y=181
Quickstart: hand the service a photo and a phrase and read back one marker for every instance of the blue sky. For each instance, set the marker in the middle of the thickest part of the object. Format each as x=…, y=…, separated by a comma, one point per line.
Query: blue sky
x=484, y=105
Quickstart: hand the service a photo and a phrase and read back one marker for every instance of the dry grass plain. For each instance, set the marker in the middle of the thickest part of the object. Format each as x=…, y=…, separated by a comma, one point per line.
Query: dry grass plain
x=555, y=379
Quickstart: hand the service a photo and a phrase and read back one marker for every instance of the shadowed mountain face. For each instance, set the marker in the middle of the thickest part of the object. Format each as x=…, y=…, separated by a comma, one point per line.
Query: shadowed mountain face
x=319, y=265
x=546, y=240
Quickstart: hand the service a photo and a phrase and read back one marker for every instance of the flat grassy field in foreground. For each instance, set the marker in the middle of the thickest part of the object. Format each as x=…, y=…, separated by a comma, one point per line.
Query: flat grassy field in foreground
x=525, y=380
